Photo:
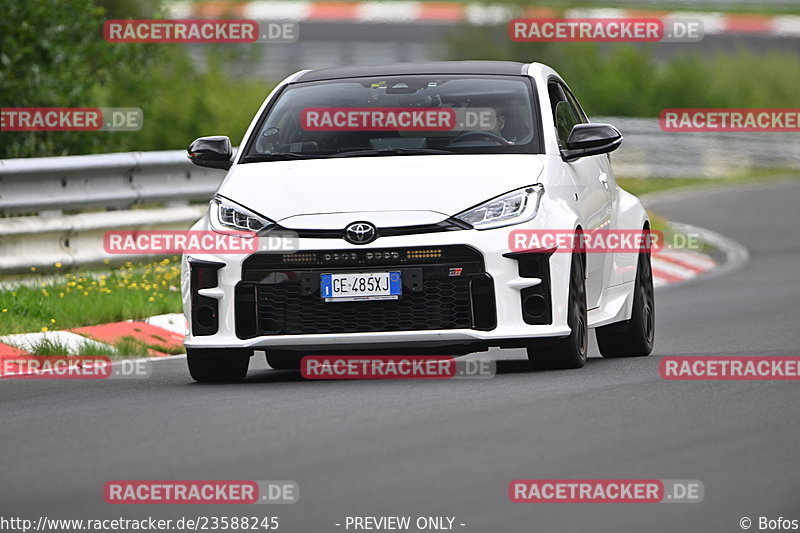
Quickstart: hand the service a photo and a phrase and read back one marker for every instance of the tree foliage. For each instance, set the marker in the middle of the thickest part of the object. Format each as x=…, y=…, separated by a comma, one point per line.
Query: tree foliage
x=629, y=80
x=52, y=54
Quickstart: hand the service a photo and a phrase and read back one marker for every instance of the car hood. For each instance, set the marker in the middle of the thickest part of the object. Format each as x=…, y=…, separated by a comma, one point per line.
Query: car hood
x=441, y=185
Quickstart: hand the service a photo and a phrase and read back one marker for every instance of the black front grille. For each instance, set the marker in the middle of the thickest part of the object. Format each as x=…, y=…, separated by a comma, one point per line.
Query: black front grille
x=442, y=304
x=279, y=295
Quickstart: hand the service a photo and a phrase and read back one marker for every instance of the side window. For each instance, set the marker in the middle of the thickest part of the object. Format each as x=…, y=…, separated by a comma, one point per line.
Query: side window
x=565, y=120
x=576, y=107
x=565, y=113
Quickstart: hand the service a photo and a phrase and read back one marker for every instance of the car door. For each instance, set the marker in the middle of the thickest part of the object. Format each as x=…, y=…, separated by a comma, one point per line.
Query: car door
x=591, y=177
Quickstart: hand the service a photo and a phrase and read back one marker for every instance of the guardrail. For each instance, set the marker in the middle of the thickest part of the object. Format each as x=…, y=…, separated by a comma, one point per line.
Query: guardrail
x=648, y=152
x=56, y=192
x=110, y=181
x=42, y=241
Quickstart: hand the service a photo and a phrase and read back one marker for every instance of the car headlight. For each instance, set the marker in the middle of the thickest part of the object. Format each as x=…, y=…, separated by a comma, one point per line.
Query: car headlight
x=514, y=207
x=226, y=215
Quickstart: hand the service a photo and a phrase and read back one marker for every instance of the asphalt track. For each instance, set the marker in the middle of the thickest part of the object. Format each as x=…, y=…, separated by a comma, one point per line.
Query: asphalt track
x=450, y=448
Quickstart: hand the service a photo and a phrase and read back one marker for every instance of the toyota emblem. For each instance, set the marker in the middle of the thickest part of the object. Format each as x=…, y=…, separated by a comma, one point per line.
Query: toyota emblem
x=360, y=233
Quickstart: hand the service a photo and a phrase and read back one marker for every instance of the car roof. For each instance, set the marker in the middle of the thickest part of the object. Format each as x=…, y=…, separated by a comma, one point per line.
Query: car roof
x=498, y=68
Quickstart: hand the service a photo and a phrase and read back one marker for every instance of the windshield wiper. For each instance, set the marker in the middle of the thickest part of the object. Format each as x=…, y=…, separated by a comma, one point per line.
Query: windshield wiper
x=278, y=156
x=391, y=151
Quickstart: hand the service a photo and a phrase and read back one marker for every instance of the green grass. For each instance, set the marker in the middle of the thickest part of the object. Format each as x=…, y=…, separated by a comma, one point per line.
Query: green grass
x=132, y=346
x=672, y=237
x=52, y=347
x=86, y=298
x=125, y=347
x=640, y=186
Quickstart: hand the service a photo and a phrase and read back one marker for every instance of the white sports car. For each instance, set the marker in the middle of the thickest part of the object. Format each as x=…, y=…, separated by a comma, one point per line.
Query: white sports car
x=401, y=188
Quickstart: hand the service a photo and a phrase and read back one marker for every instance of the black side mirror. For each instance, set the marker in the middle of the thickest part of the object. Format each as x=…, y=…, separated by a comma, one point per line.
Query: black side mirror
x=211, y=152
x=591, y=139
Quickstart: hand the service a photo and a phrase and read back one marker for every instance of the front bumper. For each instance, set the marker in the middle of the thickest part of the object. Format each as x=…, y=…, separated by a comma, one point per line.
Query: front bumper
x=243, y=318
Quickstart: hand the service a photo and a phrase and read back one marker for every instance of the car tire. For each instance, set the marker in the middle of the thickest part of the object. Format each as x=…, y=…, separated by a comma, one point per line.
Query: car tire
x=567, y=352
x=213, y=365
x=283, y=361
x=634, y=337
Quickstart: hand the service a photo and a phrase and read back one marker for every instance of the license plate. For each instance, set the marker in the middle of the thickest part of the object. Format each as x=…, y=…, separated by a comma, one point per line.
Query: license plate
x=353, y=287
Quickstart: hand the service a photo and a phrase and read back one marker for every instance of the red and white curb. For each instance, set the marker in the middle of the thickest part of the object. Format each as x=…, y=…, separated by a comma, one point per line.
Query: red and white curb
x=399, y=12
x=161, y=330
x=27, y=342
x=673, y=267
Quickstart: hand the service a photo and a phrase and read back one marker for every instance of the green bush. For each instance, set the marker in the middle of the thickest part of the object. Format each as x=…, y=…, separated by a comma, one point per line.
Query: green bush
x=627, y=80
x=52, y=54
x=181, y=103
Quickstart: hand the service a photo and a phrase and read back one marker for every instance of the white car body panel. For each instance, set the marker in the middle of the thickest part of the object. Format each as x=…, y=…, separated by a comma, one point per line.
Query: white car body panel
x=317, y=194
x=327, y=185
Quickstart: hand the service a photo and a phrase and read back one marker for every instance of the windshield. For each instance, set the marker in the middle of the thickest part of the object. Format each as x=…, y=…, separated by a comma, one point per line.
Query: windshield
x=397, y=115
